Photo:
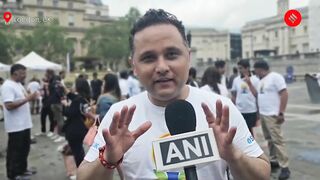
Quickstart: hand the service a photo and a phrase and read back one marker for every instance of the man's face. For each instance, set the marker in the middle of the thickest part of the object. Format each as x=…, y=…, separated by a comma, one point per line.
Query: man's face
x=243, y=71
x=161, y=62
x=20, y=75
x=222, y=70
x=259, y=72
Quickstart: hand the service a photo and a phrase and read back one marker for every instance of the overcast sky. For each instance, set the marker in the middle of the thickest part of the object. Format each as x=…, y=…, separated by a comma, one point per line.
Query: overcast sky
x=219, y=14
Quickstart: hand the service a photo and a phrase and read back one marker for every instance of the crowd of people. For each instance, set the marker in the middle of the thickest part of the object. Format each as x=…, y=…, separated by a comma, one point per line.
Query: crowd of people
x=132, y=114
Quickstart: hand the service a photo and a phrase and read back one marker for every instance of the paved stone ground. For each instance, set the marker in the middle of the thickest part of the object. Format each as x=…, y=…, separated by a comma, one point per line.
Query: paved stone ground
x=301, y=131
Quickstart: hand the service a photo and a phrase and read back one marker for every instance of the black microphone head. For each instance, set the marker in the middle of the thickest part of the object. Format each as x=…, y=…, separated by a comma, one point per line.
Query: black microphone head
x=180, y=117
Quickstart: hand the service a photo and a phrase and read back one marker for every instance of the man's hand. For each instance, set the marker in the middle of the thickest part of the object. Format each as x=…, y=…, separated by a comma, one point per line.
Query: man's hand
x=280, y=119
x=33, y=96
x=118, y=138
x=223, y=135
x=247, y=79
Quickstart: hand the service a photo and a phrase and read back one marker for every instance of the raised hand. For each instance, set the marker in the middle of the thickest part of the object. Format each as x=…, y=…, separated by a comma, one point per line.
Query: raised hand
x=223, y=135
x=118, y=138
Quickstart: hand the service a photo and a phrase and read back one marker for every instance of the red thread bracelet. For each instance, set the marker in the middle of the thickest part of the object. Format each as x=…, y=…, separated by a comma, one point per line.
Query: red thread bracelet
x=106, y=163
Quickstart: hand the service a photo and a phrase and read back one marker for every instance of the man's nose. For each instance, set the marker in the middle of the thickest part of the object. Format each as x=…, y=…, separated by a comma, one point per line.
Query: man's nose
x=162, y=66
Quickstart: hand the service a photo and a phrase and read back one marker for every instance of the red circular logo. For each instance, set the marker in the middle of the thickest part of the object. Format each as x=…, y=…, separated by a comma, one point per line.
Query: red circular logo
x=292, y=18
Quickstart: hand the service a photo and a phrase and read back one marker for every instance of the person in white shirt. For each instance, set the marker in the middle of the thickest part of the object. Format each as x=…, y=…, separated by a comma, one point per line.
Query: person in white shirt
x=124, y=85
x=17, y=122
x=211, y=81
x=134, y=85
x=161, y=59
x=244, y=94
x=1, y=103
x=272, y=102
x=34, y=86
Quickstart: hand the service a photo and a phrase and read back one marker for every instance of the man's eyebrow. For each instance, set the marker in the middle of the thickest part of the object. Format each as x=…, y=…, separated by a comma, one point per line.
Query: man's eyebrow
x=173, y=48
x=146, y=53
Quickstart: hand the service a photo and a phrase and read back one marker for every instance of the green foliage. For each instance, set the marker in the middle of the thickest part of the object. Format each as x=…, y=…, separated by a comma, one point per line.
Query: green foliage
x=9, y=44
x=110, y=42
x=48, y=41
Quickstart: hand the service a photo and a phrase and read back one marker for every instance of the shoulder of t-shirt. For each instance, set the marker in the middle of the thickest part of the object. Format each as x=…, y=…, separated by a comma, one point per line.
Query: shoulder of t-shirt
x=208, y=96
x=134, y=100
x=276, y=75
x=8, y=83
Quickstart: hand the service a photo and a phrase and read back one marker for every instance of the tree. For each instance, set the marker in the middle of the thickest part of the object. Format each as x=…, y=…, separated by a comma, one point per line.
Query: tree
x=9, y=44
x=48, y=41
x=110, y=42
x=132, y=16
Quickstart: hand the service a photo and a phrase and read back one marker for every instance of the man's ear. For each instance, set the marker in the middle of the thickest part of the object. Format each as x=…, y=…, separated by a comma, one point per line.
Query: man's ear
x=133, y=65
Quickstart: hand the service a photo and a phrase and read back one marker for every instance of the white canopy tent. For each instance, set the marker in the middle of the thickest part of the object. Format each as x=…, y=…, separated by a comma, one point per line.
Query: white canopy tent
x=35, y=62
x=4, y=67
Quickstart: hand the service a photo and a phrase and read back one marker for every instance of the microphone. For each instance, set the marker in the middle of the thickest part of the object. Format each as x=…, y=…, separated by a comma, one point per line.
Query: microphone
x=181, y=118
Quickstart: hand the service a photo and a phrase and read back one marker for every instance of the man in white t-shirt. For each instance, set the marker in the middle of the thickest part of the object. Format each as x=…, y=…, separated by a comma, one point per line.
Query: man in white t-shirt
x=1, y=103
x=161, y=59
x=17, y=122
x=272, y=102
x=124, y=85
x=34, y=86
x=244, y=93
x=133, y=85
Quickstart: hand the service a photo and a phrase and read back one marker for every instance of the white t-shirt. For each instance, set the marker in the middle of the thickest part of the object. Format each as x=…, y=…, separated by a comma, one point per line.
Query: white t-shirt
x=224, y=80
x=33, y=86
x=268, y=93
x=245, y=100
x=223, y=90
x=124, y=86
x=138, y=160
x=134, y=86
x=20, y=118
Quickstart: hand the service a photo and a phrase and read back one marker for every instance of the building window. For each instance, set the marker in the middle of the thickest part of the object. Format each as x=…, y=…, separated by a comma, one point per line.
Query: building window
x=305, y=47
x=40, y=14
x=39, y=2
x=305, y=29
x=55, y=3
x=276, y=49
x=276, y=34
x=71, y=20
x=98, y=13
x=70, y=5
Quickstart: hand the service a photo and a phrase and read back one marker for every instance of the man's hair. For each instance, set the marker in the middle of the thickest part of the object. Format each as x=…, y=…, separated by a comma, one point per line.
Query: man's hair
x=62, y=72
x=262, y=64
x=219, y=64
x=124, y=74
x=95, y=74
x=211, y=77
x=155, y=17
x=193, y=72
x=235, y=70
x=17, y=67
x=244, y=63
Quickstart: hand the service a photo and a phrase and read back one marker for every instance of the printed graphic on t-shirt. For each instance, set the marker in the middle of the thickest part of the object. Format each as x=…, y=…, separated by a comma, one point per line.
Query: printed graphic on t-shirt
x=244, y=88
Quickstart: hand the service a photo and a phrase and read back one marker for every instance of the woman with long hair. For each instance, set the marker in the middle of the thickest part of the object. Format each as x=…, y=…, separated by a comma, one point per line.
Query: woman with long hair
x=211, y=81
x=111, y=94
x=76, y=113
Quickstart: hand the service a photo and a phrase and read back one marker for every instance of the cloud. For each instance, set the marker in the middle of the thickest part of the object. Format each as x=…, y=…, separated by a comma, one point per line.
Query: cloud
x=219, y=14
